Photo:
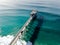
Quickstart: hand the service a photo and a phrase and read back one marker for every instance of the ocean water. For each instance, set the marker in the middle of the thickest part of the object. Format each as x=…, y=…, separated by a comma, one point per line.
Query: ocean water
x=13, y=15
x=11, y=24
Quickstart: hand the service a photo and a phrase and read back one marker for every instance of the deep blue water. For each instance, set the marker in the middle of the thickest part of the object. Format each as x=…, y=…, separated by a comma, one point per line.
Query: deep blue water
x=13, y=17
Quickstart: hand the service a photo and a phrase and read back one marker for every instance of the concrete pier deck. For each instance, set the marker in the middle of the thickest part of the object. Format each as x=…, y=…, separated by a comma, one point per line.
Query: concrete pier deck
x=19, y=34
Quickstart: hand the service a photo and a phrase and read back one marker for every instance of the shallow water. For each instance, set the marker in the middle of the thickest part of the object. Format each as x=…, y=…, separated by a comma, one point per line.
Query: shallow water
x=14, y=14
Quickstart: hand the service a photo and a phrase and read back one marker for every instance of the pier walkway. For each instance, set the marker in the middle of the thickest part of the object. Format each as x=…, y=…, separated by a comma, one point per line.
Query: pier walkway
x=21, y=31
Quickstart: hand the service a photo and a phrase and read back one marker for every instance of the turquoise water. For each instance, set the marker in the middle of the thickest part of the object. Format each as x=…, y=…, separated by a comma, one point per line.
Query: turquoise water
x=50, y=31
x=10, y=25
x=14, y=15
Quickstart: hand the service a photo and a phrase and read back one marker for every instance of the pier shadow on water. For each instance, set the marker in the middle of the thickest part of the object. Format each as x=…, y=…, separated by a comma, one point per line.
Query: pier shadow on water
x=37, y=29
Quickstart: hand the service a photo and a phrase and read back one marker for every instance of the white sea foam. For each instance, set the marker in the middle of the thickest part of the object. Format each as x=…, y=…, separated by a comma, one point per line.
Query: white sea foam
x=5, y=40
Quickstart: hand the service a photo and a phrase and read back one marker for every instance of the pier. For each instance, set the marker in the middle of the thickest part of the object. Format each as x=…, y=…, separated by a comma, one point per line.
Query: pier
x=33, y=15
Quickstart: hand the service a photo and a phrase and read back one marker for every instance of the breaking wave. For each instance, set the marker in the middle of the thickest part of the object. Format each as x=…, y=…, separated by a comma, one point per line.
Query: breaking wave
x=5, y=40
